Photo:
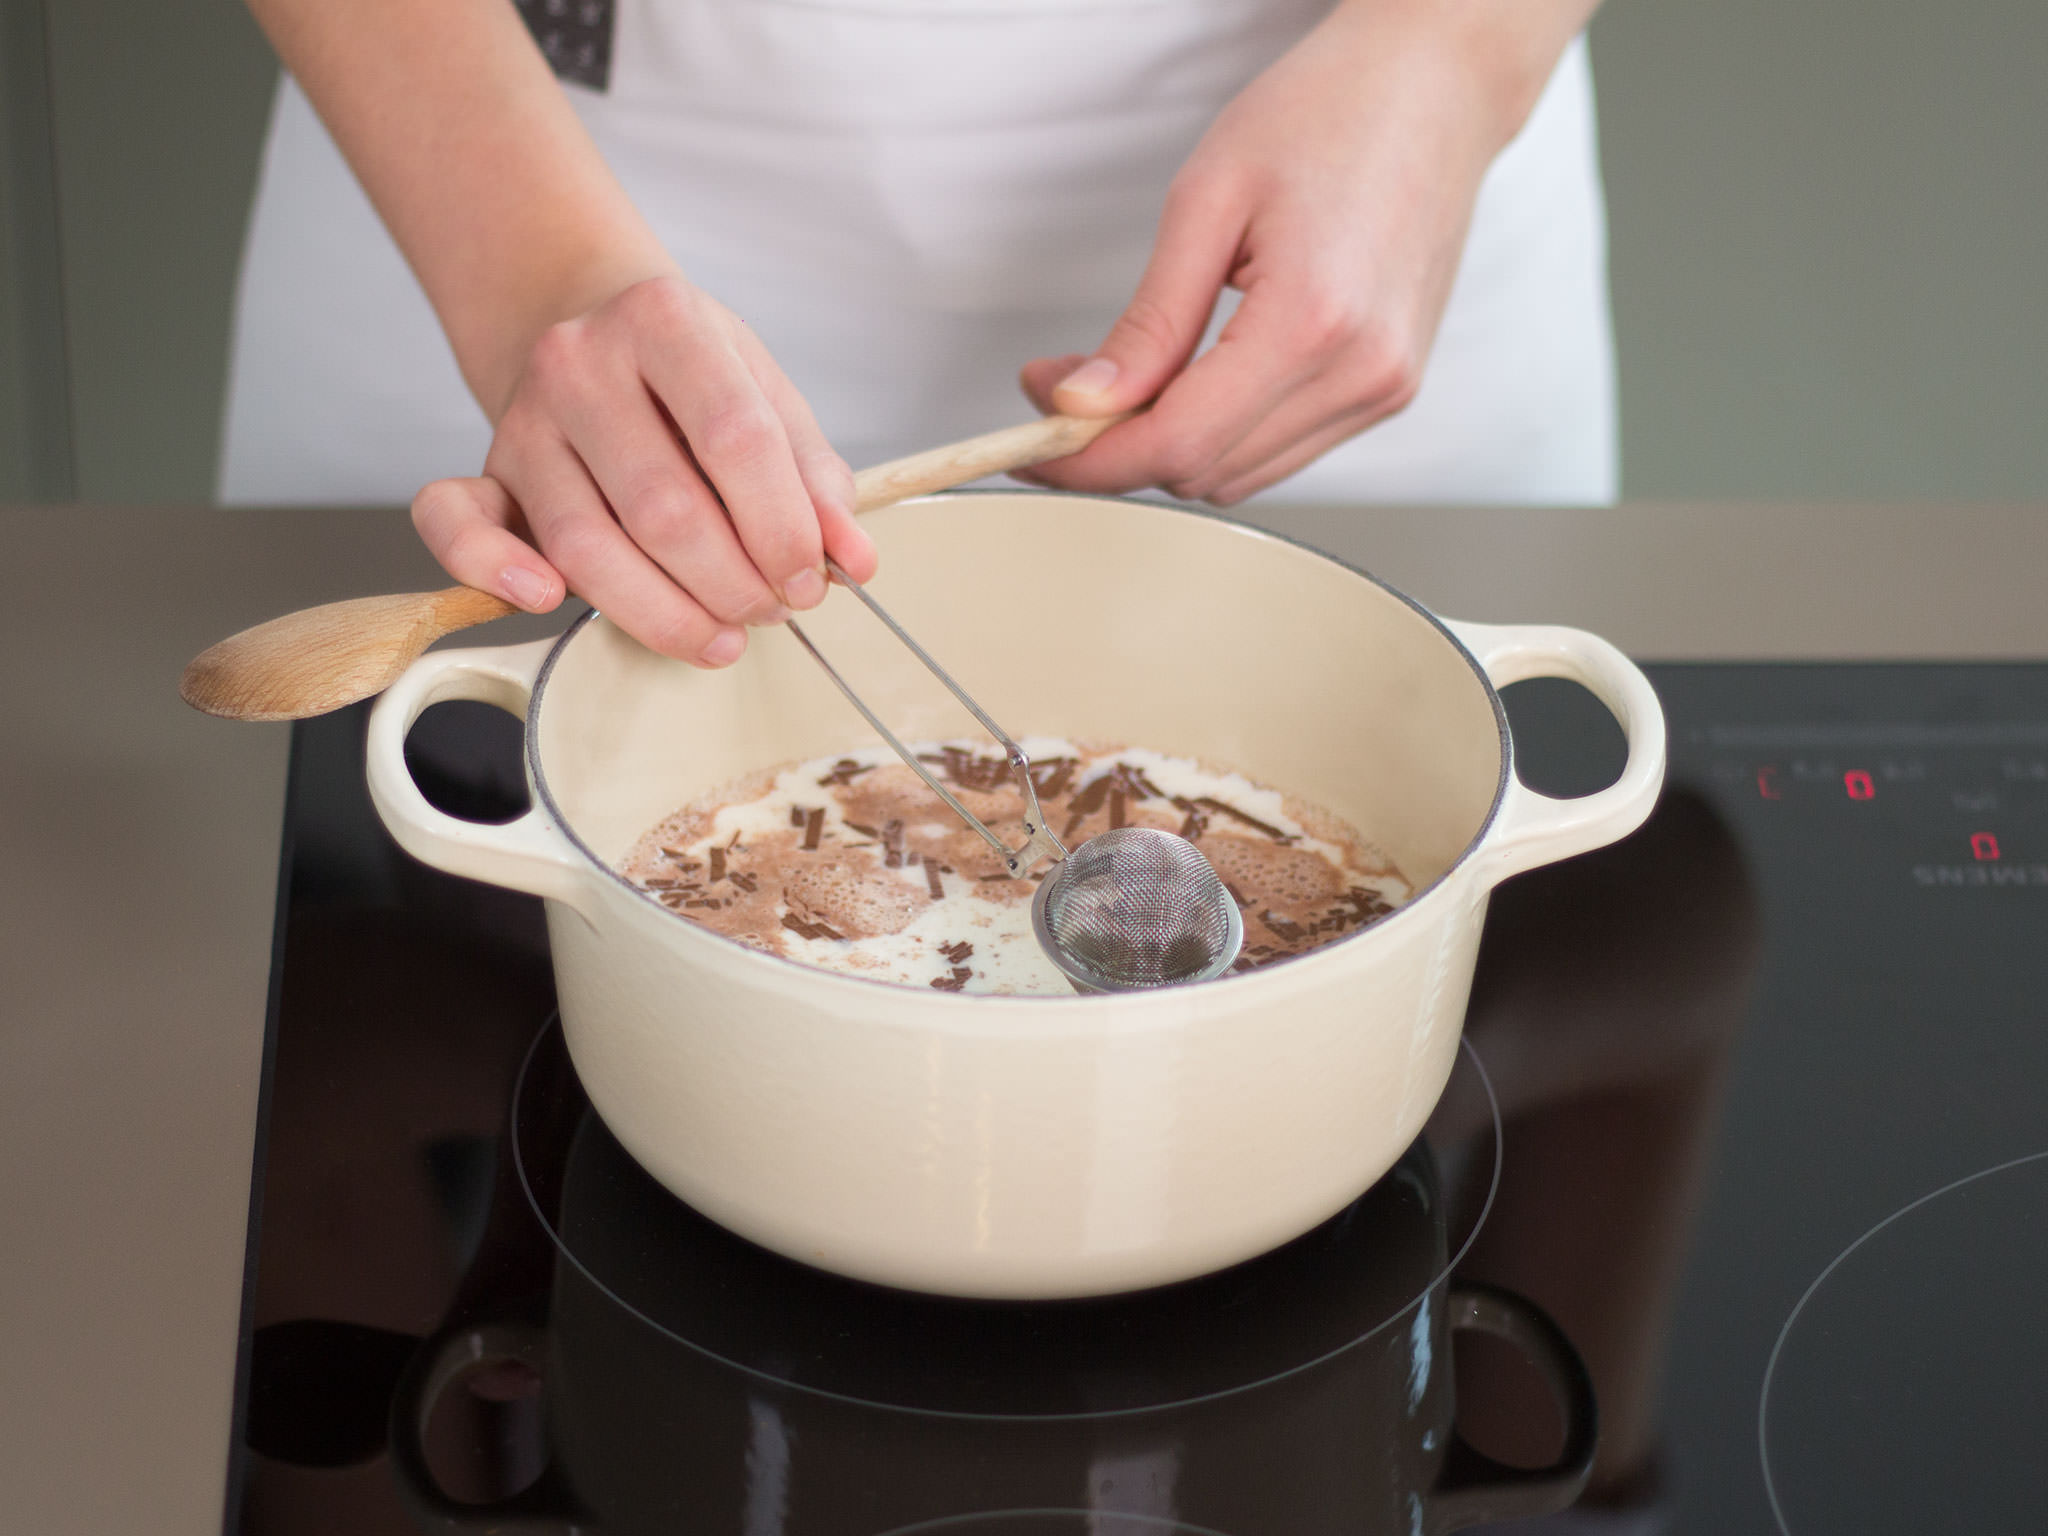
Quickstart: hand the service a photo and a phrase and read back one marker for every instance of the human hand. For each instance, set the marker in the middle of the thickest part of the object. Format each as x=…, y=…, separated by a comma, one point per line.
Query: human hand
x=1334, y=192
x=654, y=460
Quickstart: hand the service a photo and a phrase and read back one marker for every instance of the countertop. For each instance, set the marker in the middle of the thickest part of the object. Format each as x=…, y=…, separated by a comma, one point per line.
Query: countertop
x=140, y=841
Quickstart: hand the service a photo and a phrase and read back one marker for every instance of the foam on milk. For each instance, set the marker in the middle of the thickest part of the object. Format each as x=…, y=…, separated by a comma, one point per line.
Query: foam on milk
x=851, y=864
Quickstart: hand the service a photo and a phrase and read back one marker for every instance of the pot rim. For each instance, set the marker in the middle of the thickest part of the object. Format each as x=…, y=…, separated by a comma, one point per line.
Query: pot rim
x=1241, y=980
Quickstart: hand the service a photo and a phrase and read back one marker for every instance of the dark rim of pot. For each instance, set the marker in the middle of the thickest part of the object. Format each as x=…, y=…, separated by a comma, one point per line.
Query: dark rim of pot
x=538, y=774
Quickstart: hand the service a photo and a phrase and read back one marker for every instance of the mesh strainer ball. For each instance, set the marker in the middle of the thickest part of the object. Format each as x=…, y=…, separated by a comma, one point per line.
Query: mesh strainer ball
x=1136, y=907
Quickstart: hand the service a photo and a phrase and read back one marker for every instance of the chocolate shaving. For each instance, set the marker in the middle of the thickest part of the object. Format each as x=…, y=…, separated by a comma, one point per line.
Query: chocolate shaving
x=679, y=857
x=814, y=823
x=968, y=769
x=1249, y=820
x=1280, y=926
x=1147, y=790
x=854, y=826
x=1367, y=904
x=816, y=928
x=1091, y=797
x=1051, y=777
x=656, y=883
x=892, y=844
x=931, y=880
x=717, y=866
x=1196, y=824
x=957, y=953
x=1133, y=783
x=845, y=771
x=745, y=882
x=796, y=815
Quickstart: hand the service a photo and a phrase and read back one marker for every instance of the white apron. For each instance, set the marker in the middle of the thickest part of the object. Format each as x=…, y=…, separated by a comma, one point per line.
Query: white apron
x=908, y=199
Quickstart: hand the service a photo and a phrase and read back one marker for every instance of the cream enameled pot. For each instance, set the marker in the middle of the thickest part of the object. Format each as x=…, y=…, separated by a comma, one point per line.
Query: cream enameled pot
x=1031, y=1147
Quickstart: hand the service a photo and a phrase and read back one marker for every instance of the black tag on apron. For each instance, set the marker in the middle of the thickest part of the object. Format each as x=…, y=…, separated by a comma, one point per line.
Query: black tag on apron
x=576, y=36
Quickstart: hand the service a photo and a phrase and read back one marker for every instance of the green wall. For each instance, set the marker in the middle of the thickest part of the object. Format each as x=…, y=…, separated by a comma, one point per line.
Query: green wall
x=1830, y=245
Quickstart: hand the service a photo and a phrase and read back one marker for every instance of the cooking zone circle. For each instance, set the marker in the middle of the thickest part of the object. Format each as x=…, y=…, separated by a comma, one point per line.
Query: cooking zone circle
x=1906, y=1389
x=1376, y=1265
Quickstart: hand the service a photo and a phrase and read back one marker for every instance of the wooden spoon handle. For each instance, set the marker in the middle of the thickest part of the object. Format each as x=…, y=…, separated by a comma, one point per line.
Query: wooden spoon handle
x=993, y=453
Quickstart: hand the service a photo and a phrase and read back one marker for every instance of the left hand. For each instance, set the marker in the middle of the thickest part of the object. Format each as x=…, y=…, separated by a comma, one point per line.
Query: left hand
x=1334, y=192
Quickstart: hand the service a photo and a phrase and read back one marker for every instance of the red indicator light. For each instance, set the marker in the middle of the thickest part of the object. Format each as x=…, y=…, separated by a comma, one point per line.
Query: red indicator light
x=1858, y=783
x=1767, y=783
x=1983, y=846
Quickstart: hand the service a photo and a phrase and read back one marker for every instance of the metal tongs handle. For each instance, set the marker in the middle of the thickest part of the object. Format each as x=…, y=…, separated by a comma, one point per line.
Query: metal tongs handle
x=1039, y=842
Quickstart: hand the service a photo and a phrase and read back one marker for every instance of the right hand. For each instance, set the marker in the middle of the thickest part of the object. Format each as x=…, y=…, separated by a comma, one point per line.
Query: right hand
x=653, y=460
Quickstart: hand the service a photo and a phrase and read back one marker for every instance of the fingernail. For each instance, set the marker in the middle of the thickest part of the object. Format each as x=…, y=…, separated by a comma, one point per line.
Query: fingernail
x=1092, y=378
x=806, y=589
x=724, y=649
x=524, y=587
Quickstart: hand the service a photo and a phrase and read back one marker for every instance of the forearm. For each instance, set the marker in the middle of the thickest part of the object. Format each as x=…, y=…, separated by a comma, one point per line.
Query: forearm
x=477, y=164
x=1511, y=47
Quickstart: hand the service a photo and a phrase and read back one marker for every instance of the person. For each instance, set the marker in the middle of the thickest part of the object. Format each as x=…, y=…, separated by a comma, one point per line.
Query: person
x=659, y=268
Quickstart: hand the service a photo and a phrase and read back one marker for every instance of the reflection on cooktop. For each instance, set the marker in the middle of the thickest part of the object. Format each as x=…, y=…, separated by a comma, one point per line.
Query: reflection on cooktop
x=687, y=1374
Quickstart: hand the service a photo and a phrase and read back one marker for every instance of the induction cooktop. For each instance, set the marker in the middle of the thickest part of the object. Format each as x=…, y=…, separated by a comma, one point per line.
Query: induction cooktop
x=1750, y=1121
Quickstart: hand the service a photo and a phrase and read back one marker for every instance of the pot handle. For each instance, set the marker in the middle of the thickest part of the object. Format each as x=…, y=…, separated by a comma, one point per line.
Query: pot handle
x=1538, y=829
x=545, y=1507
x=1474, y=1489
x=529, y=854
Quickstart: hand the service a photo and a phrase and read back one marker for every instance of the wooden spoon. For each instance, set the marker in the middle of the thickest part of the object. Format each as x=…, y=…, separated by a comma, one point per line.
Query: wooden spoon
x=318, y=659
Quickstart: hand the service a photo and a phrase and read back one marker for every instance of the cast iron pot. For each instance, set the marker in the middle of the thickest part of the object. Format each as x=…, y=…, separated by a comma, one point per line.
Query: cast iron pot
x=1044, y=1146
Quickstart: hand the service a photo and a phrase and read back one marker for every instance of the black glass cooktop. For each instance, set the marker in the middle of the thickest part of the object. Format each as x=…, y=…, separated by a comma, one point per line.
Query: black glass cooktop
x=1752, y=1110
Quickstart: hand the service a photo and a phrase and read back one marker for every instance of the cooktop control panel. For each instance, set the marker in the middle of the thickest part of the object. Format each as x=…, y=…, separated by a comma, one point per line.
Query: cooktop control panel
x=1966, y=805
